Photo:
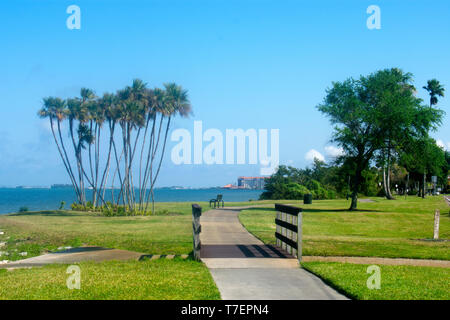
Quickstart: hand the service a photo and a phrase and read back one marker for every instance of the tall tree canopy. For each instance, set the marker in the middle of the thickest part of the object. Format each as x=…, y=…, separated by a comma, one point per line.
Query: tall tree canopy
x=374, y=117
x=142, y=115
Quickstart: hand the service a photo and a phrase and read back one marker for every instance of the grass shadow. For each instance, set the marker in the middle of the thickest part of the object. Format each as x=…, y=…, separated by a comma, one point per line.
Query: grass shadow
x=306, y=209
x=338, y=210
x=55, y=213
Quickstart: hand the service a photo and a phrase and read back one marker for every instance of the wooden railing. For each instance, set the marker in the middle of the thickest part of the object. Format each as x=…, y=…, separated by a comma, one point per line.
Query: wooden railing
x=288, y=232
x=196, y=229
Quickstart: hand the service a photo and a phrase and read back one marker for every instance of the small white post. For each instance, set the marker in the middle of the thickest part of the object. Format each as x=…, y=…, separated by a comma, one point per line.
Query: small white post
x=436, y=225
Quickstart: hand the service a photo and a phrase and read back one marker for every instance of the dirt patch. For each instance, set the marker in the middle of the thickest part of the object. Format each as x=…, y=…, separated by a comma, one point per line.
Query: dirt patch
x=382, y=261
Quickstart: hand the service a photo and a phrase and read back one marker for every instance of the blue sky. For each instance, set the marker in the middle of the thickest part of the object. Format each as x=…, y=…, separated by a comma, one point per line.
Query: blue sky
x=247, y=64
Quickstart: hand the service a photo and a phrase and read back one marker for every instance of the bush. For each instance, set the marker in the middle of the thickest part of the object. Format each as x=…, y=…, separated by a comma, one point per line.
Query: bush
x=318, y=192
x=290, y=191
x=331, y=194
x=108, y=210
x=77, y=207
x=278, y=188
x=23, y=209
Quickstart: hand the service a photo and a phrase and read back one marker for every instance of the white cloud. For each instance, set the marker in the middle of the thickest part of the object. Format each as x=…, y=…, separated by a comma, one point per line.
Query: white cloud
x=45, y=125
x=443, y=145
x=333, y=151
x=314, y=154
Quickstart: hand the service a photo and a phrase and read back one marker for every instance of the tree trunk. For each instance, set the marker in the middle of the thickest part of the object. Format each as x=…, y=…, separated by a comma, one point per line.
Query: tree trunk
x=354, y=203
x=390, y=196
x=355, y=187
x=387, y=177
x=407, y=186
x=104, y=180
x=160, y=162
x=68, y=166
x=424, y=184
x=385, y=183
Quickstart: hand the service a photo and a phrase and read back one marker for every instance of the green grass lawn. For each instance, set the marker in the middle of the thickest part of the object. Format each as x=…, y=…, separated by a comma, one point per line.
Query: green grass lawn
x=383, y=228
x=397, y=282
x=168, y=232
x=38, y=232
x=151, y=279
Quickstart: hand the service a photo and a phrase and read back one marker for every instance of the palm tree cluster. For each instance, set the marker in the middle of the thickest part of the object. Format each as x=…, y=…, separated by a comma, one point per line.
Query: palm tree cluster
x=136, y=120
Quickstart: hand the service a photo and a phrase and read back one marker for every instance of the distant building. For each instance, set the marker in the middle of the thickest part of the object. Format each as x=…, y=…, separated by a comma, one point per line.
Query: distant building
x=229, y=186
x=252, y=182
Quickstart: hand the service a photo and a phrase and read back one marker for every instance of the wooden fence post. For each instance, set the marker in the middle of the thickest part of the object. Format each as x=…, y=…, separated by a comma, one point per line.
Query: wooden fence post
x=196, y=229
x=288, y=233
x=436, y=225
x=299, y=236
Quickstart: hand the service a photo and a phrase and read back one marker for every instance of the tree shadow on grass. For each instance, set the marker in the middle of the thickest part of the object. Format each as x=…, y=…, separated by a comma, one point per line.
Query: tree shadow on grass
x=338, y=210
x=306, y=209
x=52, y=213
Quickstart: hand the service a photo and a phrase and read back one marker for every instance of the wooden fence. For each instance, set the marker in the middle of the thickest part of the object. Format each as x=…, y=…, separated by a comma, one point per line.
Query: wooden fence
x=196, y=229
x=288, y=232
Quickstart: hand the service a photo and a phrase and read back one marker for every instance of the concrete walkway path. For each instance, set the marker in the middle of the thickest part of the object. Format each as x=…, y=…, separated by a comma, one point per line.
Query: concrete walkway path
x=246, y=269
x=75, y=255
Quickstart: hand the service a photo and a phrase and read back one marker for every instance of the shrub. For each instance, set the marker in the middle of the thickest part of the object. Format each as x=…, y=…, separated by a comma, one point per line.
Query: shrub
x=317, y=190
x=111, y=210
x=23, y=209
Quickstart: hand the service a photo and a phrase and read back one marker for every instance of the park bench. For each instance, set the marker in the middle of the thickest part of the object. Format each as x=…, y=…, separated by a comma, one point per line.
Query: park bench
x=217, y=201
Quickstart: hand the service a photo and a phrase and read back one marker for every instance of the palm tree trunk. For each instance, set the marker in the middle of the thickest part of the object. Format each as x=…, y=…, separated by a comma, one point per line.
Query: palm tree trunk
x=140, y=163
x=79, y=167
x=118, y=160
x=153, y=154
x=59, y=150
x=103, y=181
x=159, y=165
x=67, y=162
x=147, y=164
x=132, y=151
x=97, y=159
x=90, y=163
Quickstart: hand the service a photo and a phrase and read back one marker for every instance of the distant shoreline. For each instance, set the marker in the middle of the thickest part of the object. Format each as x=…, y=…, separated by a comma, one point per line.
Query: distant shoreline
x=36, y=199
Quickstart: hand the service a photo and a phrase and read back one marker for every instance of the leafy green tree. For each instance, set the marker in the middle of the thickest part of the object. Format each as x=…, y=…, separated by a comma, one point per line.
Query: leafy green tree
x=431, y=160
x=391, y=94
x=374, y=115
x=446, y=173
x=281, y=185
